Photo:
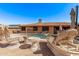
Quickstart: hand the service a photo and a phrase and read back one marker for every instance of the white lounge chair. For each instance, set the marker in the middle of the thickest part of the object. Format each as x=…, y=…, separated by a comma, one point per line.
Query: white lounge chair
x=63, y=45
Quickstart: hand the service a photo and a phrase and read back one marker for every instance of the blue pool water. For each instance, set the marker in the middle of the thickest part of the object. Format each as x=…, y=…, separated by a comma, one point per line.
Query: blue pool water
x=42, y=36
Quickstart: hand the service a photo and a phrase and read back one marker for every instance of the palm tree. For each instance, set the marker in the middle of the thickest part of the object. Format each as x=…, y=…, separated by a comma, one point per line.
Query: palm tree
x=1, y=32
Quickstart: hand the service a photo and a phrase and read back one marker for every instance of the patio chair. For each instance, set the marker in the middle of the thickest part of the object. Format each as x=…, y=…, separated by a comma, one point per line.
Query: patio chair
x=63, y=45
x=68, y=36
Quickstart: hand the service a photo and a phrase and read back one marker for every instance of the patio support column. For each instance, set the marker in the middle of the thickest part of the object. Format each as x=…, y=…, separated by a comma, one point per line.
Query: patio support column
x=26, y=31
x=60, y=28
x=39, y=29
x=51, y=29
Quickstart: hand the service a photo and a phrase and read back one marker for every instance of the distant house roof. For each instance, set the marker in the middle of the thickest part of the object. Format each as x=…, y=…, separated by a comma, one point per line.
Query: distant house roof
x=14, y=27
x=48, y=24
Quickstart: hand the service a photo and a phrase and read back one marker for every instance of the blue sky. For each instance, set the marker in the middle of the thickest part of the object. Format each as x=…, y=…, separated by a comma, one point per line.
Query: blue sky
x=24, y=13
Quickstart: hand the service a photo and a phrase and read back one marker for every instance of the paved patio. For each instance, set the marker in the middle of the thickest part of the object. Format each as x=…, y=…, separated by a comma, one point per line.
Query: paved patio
x=26, y=52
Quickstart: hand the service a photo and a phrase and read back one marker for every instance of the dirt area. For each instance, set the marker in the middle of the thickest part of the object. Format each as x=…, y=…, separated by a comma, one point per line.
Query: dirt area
x=26, y=52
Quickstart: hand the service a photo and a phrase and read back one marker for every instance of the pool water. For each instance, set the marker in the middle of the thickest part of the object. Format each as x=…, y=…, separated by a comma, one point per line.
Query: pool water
x=42, y=36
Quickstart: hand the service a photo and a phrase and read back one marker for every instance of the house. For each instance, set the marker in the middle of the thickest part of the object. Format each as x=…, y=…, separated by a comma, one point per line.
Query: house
x=44, y=27
x=14, y=29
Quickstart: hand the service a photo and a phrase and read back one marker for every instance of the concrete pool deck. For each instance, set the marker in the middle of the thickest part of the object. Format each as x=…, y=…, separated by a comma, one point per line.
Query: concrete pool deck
x=45, y=51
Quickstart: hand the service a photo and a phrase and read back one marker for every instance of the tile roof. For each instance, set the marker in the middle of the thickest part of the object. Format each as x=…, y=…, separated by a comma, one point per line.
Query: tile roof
x=47, y=24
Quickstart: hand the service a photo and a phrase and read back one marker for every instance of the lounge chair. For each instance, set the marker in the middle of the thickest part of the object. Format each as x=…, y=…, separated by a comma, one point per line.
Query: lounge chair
x=63, y=45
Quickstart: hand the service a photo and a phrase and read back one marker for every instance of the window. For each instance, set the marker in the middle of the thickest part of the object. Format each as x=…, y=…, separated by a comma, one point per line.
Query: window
x=23, y=28
x=56, y=29
x=35, y=28
x=65, y=28
x=45, y=28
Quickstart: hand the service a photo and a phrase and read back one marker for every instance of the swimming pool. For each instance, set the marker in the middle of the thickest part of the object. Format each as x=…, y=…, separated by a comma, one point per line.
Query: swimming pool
x=42, y=36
